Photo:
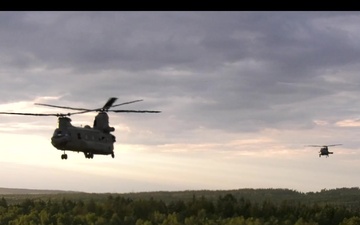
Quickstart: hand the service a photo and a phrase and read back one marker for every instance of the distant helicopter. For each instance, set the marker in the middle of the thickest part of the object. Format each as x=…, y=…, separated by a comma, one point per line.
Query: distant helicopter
x=324, y=150
x=90, y=141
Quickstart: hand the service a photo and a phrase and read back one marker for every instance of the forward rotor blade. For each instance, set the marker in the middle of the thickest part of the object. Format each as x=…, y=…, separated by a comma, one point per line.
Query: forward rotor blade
x=135, y=111
x=63, y=107
x=42, y=114
x=334, y=145
x=314, y=145
x=106, y=107
x=34, y=114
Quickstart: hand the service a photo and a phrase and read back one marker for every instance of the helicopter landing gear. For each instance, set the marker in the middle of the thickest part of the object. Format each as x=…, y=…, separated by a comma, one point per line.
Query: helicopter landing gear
x=112, y=155
x=64, y=156
x=89, y=155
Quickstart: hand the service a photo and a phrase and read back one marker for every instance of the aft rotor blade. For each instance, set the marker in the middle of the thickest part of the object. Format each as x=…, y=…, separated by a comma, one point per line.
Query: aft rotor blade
x=315, y=145
x=109, y=103
x=62, y=107
x=125, y=103
x=135, y=111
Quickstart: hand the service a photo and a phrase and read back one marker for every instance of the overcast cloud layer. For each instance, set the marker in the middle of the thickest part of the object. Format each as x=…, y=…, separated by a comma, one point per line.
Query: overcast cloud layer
x=241, y=94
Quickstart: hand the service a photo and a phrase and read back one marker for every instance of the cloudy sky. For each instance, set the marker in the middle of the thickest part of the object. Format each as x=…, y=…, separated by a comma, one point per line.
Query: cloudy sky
x=241, y=95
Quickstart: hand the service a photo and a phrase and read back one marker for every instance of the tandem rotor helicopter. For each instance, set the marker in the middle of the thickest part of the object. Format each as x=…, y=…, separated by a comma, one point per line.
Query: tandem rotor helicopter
x=324, y=150
x=89, y=140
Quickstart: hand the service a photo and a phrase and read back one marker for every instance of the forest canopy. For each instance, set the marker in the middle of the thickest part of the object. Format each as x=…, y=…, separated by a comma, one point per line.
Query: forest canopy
x=243, y=206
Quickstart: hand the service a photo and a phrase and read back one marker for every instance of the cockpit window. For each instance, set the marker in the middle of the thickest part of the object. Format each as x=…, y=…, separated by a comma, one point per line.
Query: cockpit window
x=60, y=133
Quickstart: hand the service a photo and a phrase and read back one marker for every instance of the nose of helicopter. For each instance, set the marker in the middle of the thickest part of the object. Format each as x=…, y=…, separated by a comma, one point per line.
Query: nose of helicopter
x=60, y=141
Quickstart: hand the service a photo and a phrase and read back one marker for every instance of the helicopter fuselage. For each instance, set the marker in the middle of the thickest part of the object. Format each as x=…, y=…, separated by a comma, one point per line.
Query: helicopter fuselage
x=324, y=151
x=85, y=139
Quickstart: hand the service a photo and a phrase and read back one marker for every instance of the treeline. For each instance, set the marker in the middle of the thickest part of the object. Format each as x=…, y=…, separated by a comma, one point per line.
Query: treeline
x=226, y=209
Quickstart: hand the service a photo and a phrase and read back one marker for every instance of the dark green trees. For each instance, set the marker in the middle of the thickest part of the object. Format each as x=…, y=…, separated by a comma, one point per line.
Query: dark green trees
x=223, y=210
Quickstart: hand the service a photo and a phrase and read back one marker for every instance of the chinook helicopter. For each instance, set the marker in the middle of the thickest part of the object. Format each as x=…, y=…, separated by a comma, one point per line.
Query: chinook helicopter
x=324, y=150
x=89, y=140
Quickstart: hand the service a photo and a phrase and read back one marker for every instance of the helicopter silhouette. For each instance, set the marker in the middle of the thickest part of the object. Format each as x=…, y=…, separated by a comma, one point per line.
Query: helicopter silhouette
x=324, y=150
x=89, y=140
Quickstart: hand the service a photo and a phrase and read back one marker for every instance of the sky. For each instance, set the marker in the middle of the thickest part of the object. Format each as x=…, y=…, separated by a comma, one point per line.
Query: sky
x=241, y=95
